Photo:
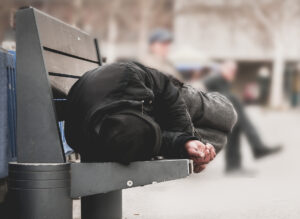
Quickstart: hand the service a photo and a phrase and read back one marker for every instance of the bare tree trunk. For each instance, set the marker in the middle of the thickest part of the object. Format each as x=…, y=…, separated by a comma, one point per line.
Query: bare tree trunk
x=144, y=27
x=276, y=99
x=112, y=32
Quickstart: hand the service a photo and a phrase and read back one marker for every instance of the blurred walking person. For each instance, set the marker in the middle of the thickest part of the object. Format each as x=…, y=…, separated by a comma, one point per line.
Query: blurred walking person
x=296, y=87
x=221, y=82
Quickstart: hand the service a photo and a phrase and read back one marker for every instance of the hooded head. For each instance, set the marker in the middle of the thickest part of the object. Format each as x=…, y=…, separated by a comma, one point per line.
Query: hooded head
x=129, y=136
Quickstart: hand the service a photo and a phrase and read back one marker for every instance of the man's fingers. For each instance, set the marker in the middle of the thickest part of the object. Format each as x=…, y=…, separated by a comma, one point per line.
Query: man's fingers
x=202, y=167
x=199, y=168
x=202, y=148
x=209, y=145
x=196, y=153
x=202, y=158
x=207, y=157
x=196, y=169
x=202, y=155
x=212, y=154
x=199, y=152
x=200, y=161
x=200, y=145
x=212, y=150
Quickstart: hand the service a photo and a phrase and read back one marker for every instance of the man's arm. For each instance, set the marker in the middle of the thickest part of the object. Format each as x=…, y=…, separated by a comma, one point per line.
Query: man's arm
x=173, y=144
x=171, y=113
x=218, y=113
x=178, y=140
x=170, y=108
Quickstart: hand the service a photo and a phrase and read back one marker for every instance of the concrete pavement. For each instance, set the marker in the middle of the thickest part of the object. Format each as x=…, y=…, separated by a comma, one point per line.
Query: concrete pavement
x=273, y=192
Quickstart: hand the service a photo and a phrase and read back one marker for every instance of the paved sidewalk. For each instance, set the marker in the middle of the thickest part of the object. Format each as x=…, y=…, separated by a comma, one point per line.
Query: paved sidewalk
x=272, y=193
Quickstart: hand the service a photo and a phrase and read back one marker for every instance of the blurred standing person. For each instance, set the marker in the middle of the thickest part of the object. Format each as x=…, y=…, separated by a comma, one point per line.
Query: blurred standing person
x=221, y=82
x=160, y=41
x=296, y=87
x=264, y=81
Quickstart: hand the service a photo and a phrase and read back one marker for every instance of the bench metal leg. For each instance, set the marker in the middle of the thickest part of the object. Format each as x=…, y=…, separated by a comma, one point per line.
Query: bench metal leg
x=102, y=206
x=39, y=191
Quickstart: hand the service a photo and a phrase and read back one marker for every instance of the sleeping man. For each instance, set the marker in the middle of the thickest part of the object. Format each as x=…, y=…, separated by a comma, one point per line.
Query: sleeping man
x=126, y=112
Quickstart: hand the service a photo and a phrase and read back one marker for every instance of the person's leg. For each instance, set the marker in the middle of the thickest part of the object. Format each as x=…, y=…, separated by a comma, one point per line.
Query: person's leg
x=232, y=151
x=258, y=147
x=251, y=133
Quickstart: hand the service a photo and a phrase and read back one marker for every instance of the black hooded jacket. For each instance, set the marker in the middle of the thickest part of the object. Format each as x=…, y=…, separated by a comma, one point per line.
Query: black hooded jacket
x=177, y=108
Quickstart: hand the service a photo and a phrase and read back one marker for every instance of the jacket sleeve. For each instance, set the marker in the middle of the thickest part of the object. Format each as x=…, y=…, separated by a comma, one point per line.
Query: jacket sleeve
x=170, y=111
x=218, y=113
x=173, y=144
x=217, y=121
x=170, y=108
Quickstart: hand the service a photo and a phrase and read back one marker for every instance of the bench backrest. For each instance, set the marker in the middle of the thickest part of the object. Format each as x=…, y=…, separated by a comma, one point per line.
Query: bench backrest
x=51, y=56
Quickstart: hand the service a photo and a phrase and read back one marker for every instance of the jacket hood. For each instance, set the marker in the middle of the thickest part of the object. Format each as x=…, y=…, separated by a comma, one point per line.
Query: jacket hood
x=104, y=89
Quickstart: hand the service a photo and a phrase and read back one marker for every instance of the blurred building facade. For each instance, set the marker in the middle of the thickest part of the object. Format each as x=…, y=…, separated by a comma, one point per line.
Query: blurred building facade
x=121, y=25
x=254, y=33
x=259, y=35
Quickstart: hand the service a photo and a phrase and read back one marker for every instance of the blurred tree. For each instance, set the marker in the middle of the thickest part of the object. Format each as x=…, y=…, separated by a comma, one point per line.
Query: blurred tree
x=275, y=16
x=6, y=7
x=113, y=21
x=112, y=27
x=230, y=28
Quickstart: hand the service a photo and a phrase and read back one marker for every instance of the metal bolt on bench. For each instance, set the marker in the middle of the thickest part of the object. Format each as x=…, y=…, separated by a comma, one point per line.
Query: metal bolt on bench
x=51, y=56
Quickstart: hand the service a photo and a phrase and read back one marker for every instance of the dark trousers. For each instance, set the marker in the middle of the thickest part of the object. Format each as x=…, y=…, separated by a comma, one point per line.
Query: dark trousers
x=233, y=155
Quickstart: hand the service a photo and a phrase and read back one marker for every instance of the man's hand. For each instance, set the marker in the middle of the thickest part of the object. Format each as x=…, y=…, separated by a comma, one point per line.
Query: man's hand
x=200, y=153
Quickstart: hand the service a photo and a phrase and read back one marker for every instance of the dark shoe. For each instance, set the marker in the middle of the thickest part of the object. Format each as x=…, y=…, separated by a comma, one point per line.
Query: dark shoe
x=265, y=151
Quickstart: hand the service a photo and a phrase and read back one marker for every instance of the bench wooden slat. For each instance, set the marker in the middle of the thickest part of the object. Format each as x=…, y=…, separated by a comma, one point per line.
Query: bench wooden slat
x=65, y=65
x=60, y=36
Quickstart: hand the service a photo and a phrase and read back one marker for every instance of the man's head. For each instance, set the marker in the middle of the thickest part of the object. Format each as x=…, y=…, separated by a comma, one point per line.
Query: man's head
x=229, y=70
x=159, y=42
x=129, y=136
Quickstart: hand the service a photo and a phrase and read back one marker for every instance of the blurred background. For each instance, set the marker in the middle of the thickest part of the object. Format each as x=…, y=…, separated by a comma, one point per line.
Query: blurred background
x=262, y=37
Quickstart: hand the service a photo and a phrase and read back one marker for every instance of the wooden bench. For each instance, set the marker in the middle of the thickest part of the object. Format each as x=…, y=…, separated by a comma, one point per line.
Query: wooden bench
x=51, y=56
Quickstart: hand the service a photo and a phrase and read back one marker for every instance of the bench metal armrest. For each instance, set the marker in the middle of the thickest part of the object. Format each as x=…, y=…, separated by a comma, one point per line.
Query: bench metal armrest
x=94, y=178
